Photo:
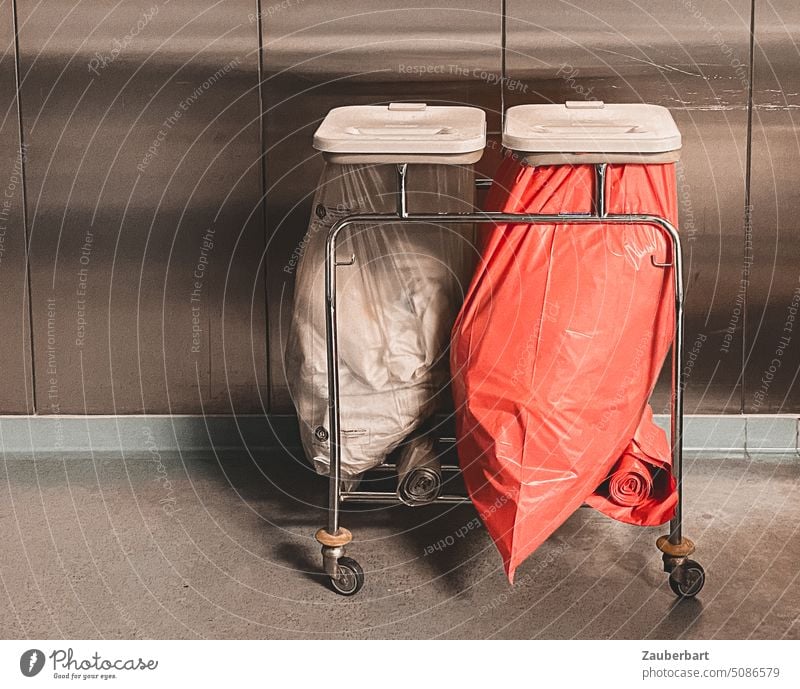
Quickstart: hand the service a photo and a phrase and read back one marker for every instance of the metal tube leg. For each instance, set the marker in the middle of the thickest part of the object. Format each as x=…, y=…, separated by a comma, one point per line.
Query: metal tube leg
x=676, y=422
x=333, y=539
x=332, y=354
x=674, y=546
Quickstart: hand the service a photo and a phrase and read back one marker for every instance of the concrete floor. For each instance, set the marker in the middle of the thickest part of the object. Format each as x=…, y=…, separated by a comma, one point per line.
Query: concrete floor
x=192, y=547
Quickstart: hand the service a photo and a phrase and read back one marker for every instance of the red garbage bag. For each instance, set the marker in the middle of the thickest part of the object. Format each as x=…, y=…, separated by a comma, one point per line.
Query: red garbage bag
x=556, y=351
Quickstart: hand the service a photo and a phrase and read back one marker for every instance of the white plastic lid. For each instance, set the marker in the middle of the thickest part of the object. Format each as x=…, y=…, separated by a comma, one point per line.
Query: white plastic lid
x=591, y=127
x=402, y=128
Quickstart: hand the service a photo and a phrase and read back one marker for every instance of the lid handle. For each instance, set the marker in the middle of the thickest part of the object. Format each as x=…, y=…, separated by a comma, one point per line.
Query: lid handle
x=408, y=107
x=584, y=104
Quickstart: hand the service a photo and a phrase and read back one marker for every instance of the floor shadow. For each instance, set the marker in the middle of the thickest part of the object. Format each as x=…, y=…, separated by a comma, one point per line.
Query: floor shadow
x=682, y=613
x=301, y=563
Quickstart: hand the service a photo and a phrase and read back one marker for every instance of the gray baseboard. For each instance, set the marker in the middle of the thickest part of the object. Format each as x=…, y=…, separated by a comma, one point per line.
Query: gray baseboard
x=40, y=435
x=28, y=436
x=738, y=434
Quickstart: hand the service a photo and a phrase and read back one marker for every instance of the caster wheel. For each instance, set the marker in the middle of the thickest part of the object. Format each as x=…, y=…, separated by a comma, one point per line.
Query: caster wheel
x=687, y=580
x=350, y=579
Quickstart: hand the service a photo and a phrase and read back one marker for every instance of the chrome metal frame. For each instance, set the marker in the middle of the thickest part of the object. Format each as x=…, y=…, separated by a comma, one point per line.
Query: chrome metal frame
x=599, y=215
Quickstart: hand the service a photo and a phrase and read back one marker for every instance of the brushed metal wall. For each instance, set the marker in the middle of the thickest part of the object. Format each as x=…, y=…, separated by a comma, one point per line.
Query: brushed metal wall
x=142, y=122
x=773, y=294
x=16, y=390
x=153, y=131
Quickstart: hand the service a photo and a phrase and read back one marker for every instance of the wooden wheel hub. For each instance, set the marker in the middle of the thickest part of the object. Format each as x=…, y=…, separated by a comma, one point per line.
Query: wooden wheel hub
x=341, y=538
x=682, y=549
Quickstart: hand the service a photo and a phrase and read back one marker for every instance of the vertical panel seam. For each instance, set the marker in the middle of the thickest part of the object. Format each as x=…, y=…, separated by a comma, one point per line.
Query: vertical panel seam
x=503, y=75
x=748, y=211
x=263, y=201
x=27, y=297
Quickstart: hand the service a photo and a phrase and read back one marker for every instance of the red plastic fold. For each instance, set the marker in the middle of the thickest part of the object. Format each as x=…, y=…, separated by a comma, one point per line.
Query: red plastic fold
x=556, y=351
x=640, y=489
x=630, y=483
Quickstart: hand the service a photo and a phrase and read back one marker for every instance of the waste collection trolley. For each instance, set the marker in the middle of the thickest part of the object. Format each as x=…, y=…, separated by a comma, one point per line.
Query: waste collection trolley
x=608, y=152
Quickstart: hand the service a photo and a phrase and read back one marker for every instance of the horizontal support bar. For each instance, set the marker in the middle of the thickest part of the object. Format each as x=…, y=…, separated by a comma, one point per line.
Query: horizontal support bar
x=376, y=497
x=512, y=218
x=387, y=468
x=392, y=499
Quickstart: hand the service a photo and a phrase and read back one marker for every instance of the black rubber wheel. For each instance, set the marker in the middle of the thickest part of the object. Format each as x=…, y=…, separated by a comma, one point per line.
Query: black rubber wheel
x=687, y=580
x=350, y=579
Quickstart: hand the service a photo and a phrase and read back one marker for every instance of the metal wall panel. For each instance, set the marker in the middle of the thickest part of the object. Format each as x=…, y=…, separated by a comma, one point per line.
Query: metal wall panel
x=143, y=125
x=773, y=297
x=322, y=54
x=16, y=389
x=693, y=58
